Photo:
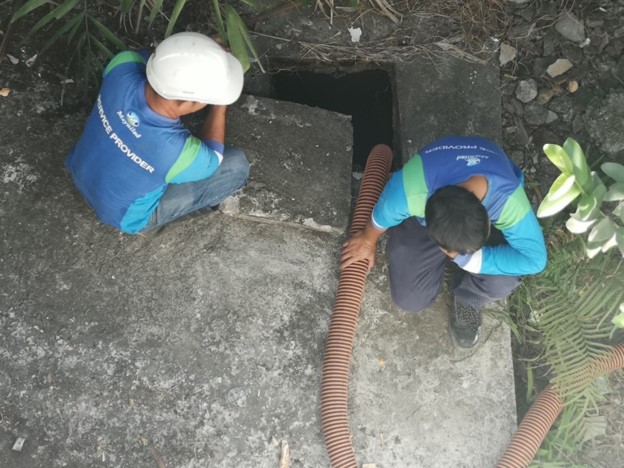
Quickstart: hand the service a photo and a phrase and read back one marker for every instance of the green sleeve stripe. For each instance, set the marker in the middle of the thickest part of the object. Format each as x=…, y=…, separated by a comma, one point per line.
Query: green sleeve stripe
x=123, y=57
x=515, y=209
x=186, y=158
x=415, y=186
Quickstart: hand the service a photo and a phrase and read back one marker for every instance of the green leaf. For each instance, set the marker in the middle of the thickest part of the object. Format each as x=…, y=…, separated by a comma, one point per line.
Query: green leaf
x=249, y=43
x=619, y=211
x=530, y=390
x=614, y=170
x=559, y=158
x=177, y=9
x=155, y=9
x=602, y=231
x=126, y=5
x=251, y=3
x=599, y=189
x=593, y=250
x=578, y=226
x=618, y=320
x=615, y=193
x=59, y=12
x=105, y=50
x=219, y=19
x=27, y=8
x=107, y=33
x=619, y=238
x=609, y=244
x=549, y=207
x=72, y=25
x=235, y=37
x=139, y=14
x=561, y=186
x=586, y=205
x=579, y=162
x=75, y=27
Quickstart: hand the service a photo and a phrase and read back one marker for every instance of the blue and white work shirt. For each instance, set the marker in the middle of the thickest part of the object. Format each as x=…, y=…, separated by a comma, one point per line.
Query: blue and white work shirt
x=128, y=154
x=451, y=161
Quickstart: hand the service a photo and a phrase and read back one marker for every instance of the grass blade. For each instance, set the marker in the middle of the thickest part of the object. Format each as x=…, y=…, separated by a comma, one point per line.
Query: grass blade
x=174, y=16
x=107, y=33
x=27, y=8
x=235, y=38
x=156, y=8
x=58, y=13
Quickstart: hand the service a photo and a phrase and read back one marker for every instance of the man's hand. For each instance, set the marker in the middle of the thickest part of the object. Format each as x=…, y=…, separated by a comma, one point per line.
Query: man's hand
x=358, y=248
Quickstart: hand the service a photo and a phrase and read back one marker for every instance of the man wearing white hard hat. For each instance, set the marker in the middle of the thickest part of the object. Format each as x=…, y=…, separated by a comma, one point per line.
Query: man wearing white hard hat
x=136, y=164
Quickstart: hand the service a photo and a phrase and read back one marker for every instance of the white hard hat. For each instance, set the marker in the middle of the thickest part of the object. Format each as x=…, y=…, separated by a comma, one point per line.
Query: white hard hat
x=192, y=67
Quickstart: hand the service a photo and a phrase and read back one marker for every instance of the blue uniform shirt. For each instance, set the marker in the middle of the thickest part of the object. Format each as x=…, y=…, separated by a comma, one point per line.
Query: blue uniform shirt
x=128, y=154
x=450, y=161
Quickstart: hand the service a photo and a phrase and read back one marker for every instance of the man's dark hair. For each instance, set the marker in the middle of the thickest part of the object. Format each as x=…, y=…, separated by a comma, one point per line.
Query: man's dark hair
x=456, y=220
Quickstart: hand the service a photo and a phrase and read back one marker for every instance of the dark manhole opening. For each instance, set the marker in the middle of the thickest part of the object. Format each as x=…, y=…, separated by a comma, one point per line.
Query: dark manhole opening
x=366, y=96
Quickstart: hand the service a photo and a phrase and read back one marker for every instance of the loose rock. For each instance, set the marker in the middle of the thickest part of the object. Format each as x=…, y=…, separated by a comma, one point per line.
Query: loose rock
x=536, y=114
x=507, y=54
x=561, y=105
x=19, y=444
x=570, y=27
x=526, y=90
x=559, y=67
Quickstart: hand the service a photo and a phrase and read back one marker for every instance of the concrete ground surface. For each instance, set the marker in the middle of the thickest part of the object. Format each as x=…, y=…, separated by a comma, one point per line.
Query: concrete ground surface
x=203, y=346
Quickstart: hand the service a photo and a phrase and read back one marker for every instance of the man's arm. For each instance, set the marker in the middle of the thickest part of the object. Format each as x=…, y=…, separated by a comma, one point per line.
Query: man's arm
x=213, y=128
x=525, y=252
x=391, y=209
x=204, y=153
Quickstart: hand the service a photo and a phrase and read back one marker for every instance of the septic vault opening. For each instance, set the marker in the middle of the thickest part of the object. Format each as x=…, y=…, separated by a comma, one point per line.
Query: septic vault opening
x=366, y=96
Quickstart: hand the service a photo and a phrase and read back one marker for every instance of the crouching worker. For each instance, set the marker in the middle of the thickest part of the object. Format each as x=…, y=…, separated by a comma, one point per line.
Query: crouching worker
x=136, y=164
x=460, y=198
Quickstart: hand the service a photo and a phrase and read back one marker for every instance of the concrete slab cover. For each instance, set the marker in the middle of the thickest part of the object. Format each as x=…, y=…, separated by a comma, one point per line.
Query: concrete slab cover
x=443, y=95
x=300, y=162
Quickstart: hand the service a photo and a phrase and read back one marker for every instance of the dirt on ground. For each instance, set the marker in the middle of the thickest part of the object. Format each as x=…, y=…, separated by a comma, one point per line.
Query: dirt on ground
x=561, y=69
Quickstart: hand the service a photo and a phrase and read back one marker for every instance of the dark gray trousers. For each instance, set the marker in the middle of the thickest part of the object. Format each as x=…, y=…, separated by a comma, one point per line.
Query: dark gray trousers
x=417, y=271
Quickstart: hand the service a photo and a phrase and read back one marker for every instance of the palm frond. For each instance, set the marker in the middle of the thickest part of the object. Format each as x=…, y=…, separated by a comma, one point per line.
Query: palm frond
x=571, y=303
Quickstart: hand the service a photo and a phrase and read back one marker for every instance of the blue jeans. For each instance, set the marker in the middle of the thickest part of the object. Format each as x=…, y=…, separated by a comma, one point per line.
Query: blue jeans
x=182, y=199
x=416, y=267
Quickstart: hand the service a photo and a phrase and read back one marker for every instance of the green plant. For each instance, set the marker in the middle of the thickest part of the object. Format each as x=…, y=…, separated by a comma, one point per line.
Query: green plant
x=77, y=21
x=578, y=181
x=571, y=303
x=80, y=23
x=233, y=33
x=569, y=306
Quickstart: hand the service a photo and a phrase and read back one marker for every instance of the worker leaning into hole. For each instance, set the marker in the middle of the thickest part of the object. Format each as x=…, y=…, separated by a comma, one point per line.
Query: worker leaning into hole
x=136, y=164
x=459, y=198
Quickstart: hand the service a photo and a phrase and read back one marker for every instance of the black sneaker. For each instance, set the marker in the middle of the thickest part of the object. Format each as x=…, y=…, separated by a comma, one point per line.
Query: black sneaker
x=464, y=324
